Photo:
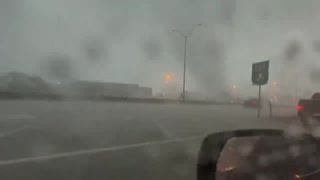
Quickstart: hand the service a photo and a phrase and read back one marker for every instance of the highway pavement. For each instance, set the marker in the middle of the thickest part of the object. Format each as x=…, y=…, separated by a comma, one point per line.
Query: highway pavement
x=99, y=140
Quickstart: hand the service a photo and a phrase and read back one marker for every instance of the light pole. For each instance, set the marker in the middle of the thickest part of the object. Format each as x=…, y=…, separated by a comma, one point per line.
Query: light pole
x=296, y=88
x=185, y=36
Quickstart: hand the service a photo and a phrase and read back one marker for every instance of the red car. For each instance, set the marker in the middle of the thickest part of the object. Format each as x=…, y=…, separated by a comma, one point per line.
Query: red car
x=252, y=102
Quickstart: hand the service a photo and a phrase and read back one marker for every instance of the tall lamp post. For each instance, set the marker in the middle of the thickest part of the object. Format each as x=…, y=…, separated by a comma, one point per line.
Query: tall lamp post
x=185, y=36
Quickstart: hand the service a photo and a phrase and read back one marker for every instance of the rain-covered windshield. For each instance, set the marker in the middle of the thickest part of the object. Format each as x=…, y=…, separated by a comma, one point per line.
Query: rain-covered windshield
x=128, y=89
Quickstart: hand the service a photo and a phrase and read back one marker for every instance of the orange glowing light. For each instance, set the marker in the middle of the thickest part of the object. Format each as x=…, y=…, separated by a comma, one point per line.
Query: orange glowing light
x=168, y=77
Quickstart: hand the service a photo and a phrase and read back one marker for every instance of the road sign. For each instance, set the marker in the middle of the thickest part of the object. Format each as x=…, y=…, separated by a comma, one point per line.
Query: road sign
x=260, y=73
x=260, y=76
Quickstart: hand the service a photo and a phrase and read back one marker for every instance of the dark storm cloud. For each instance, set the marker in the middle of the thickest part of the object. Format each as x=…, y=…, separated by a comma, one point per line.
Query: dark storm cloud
x=40, y=27
x=293, y=49
x=95, y=49
x=206, y=63
x=205, y=60
x=205, y=53
x=152, y=48
x=58, y=67
x=117, y=18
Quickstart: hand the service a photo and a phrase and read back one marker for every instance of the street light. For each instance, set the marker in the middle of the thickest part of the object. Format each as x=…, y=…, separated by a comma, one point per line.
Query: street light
x=274, y=83
x=168, y=76
x=185, y=36
x=234, y=90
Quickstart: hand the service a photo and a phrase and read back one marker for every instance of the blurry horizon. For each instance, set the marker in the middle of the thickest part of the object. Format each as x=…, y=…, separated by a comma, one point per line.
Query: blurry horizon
x=132, y=41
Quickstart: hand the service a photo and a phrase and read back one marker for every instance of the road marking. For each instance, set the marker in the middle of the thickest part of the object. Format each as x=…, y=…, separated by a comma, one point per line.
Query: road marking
x=14, y=131
x=17, y=116
x=98, y=150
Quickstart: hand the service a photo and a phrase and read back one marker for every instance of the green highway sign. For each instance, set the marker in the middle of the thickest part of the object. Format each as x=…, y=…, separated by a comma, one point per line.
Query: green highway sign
x=260, y=73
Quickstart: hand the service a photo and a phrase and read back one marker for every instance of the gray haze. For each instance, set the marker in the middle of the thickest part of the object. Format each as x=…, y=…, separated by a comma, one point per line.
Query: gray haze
x=132, y=40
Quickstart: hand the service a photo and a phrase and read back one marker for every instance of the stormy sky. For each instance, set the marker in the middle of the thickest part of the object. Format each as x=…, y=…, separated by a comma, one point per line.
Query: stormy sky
x=132, y=40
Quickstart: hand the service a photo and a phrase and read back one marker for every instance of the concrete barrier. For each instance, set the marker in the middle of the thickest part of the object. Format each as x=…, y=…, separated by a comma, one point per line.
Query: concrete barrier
x=281, y=110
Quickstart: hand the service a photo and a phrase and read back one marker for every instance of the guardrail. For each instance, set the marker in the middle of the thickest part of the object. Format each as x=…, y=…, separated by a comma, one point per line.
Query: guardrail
x=58, y=97
x=16, y=96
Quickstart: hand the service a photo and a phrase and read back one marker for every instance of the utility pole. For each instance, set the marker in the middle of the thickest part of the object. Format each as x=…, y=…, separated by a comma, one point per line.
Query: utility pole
x=259, y=101
x=184, y=68
x=185, y=36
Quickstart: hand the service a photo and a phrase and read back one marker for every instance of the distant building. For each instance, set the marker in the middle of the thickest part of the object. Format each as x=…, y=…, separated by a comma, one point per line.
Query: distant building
x=106, y=89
